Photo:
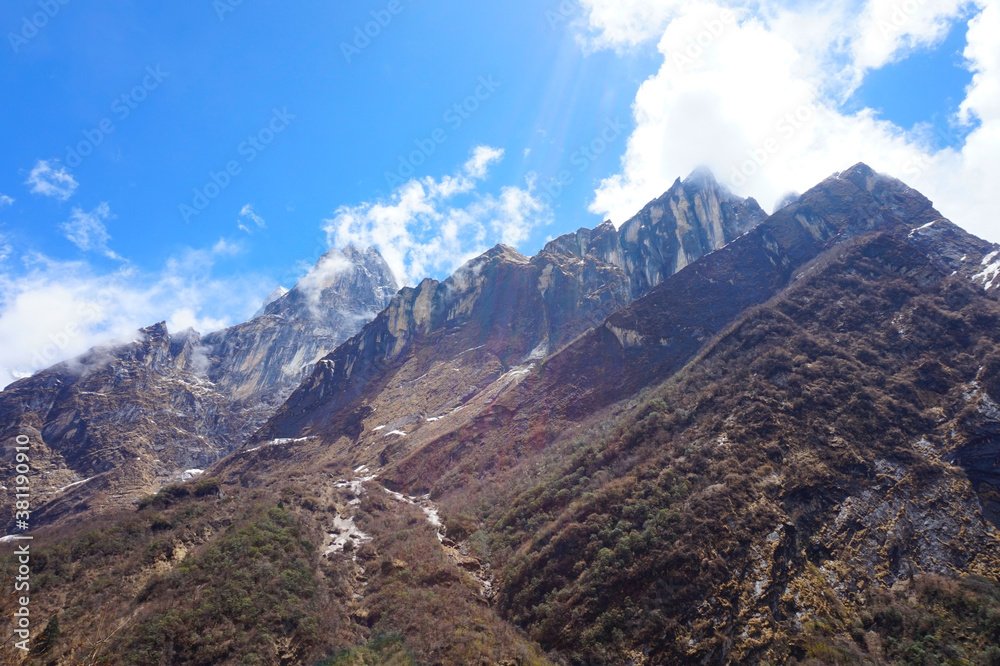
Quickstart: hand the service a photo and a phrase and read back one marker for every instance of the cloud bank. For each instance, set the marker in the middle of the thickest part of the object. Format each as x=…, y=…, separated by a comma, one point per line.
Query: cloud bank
x=757, y=95
x=52, y=310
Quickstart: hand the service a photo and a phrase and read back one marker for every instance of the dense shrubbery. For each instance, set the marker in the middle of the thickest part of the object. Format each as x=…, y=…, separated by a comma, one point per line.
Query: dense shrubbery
x=933, y=621
x=633, y=528
x=379, y=651
x=251, y=593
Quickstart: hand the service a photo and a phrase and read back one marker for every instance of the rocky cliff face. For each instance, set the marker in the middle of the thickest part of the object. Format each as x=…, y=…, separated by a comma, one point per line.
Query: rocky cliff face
x=463, y=340
x=268, y=356
x=693, y=218
x=122, y=421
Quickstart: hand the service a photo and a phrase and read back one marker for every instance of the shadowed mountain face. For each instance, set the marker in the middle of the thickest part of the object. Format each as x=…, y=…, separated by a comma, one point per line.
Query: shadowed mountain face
x=127, y=419
x=707, y=437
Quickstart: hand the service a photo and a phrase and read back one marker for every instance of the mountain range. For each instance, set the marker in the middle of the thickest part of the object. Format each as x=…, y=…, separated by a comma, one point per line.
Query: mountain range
x=707, y=436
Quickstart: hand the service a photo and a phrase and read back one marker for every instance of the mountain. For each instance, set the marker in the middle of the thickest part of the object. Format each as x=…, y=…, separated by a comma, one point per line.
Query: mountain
x=693, y=218
x=707, y=437
x=272, y=353
x=447, y=346
x=121, y=421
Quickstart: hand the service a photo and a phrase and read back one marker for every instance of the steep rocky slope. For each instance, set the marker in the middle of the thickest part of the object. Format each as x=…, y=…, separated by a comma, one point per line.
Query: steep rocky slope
x=809, y=432
x=752, y=507
x=657, y=335
x=266, y=357
x=443, y=350
x=121, y=421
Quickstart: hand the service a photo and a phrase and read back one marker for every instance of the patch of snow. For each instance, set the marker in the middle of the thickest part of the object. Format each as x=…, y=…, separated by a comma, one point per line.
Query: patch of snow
x=470, y=350
x=990, y=274
x=990, y=257
x=361, y=469
x=277, y=442
x=77, y=483
x=539, y=352
x=399, y=433
x=434, y=418
x=381, y=427
x=428, y=507
x=345, y=530
x=357, y=484
x=189, y=474
x=9, y=538
x=286, y=440
x=521, y=371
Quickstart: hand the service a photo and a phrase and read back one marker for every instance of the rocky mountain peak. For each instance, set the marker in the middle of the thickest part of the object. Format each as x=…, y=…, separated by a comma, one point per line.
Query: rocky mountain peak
x=343, y=282
x=156, y=333
x=694, y=217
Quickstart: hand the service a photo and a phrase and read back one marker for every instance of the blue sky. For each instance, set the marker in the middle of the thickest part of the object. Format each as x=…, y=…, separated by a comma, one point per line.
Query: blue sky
x=126, y=113
x=352, y=120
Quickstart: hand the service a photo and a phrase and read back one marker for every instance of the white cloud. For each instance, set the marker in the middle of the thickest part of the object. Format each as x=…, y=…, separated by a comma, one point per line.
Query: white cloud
x=51, y=310
x=757, y=99
x=483, y=157
x=889, y=29
x=88, y=231
x=5, y=200
x=321, y=276
x=224, y=247
x=626, y=23
x=248, y=217
x=421, y=230
x=51, y=180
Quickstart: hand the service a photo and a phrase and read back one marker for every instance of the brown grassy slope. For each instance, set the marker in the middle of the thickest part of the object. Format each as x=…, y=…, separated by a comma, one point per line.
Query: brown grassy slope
x=195, y=578
x=803, y=460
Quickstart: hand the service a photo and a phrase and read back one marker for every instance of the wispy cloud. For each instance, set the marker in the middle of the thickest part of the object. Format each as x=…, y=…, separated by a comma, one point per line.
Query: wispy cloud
x=5, y=249
x=249, y=220
x=430, y=225
x=88, y=230
x=53, y=310
x=5, y=200
x=52, y=180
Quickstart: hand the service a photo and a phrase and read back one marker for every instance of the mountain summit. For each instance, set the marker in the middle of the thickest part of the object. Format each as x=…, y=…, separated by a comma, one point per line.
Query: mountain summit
x=123, y=420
